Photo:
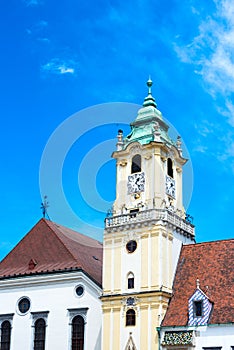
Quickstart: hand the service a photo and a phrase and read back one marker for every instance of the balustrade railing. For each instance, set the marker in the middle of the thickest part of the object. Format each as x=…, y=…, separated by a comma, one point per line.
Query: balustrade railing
x=148, y=215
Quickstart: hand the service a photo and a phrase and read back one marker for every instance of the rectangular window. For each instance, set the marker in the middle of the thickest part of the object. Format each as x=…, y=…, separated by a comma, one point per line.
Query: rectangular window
x=197, y=307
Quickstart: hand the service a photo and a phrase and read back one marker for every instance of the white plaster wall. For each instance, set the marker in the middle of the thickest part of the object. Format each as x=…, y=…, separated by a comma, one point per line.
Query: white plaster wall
x=134, y=330
x=214, y=336
x=56, y=296
x=178, y=240
x=131, y=262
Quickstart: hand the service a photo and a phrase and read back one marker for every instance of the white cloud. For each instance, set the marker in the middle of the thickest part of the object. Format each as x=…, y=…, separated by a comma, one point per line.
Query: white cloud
x=64, y=69
x=205, y=128
x=44, y=40
x=58, y=66
x=42, y=24
x=228, y=111
x=33, y=2
x=212, y=52
x=36, y=29
x=200, y=148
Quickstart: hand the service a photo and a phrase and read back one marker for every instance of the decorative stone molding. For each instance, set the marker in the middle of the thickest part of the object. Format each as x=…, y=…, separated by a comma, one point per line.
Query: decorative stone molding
x=130, y=236
x=134, y=149
x=6, y=317
x=178, y=338
x=179, y=145
x=156, y=132
x=148, y=156
x=171, y=153
x=40, y=314
x=77, y=312
x=179, y=170
x=133, y=305
x=122, y=162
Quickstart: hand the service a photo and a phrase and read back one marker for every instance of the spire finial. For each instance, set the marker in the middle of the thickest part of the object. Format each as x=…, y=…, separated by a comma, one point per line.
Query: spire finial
x=198, y=283
x=149, y=100
x=149, y=84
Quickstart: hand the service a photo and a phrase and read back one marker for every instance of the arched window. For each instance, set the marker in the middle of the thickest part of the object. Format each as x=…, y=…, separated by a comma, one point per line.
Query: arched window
x=169, y=167
x=130, y=280
x=39, y=334
x=5, y=335
x=78, y=333
x=130, y=317
x=136, y=164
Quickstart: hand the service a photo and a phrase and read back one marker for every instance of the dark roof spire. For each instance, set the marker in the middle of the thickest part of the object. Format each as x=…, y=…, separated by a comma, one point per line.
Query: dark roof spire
x=149, y=100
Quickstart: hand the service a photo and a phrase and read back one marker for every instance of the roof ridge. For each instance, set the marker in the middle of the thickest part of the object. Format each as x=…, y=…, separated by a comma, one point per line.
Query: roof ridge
x=209, y=242
x=59, y=226
x=68, y=250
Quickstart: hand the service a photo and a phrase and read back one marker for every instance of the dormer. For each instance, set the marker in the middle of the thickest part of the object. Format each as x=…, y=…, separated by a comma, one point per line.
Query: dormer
x=199, y=307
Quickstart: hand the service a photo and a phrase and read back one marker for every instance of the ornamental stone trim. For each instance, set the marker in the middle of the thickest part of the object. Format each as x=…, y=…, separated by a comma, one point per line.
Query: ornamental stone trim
x=178, y=338
x=6, y=317
x=77, y=312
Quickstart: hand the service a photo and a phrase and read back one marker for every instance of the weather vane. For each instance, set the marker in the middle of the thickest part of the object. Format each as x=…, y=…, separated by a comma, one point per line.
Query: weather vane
x=44, y=206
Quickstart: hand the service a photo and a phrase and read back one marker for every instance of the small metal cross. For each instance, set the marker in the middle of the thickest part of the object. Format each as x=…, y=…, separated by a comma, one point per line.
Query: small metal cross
x=44, y=206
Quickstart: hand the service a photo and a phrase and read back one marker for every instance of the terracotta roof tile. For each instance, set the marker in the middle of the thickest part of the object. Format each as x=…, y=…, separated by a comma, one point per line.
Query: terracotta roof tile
x=51, y=247
x=211, y=263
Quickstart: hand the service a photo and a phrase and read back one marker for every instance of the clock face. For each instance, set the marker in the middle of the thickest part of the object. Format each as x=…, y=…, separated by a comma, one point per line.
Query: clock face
x=170, y=186
x=136, y=183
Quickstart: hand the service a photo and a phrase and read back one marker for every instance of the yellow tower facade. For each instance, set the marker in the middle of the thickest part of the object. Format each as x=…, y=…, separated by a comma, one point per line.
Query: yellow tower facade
x=144, y=234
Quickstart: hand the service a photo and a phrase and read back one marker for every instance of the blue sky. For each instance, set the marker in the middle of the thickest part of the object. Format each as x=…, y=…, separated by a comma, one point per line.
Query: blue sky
x=59, y=57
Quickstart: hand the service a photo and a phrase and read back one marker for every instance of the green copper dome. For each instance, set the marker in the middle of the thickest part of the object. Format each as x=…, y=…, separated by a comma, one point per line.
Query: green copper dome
x=149, y=124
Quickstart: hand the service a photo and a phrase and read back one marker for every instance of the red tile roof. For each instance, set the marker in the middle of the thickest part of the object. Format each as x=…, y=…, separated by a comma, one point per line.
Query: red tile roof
x=213, y=264
x=49, y=247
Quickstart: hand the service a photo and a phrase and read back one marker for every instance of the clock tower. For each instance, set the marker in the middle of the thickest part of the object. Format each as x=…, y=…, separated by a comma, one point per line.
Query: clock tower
x=143, y=237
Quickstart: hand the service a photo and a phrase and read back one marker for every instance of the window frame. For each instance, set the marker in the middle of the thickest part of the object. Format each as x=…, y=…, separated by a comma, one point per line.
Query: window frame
x=131, y=280
x=170, y=171
x=76, y=290
x=131, y=246
x=195, y=308
x=39, y=339
x=77, y=341
x=6, y=343
x=35, y=317
x=20, y=303
x=3, y=318
x=130, y=318
x=136, y=164
x=72, y=313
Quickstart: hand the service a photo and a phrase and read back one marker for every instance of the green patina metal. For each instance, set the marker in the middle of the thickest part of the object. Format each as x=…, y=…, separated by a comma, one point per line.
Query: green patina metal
x=148, y=122
x=178, y=338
